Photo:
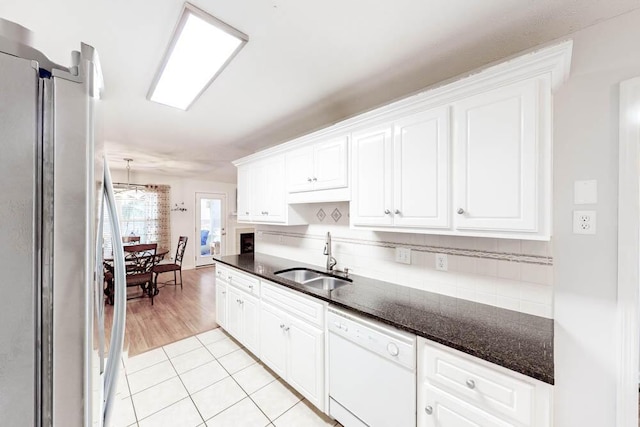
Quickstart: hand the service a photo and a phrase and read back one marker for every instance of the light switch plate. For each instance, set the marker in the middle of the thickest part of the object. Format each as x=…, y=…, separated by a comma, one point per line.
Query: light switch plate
x=585, y=192
x=403, y=255
x=584, y=222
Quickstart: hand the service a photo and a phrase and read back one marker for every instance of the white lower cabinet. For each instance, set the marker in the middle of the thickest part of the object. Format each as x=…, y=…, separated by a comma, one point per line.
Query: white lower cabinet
x=243, y=318
x=295, y=351
x=292, y=340
x=221, y=303
x=273, y=339
x=444, y=410
x=305, y=360
x=458, y=390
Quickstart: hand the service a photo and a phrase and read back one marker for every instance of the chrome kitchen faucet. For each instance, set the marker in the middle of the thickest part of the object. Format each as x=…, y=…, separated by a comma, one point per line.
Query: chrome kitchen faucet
x=331, y=261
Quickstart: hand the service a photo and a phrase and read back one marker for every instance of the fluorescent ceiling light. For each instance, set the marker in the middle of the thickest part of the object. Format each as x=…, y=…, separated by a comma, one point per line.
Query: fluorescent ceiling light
x=201, y=47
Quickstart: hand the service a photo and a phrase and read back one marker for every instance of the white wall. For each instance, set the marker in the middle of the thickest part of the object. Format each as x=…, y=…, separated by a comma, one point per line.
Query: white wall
x=184, y=223
x=586, y=147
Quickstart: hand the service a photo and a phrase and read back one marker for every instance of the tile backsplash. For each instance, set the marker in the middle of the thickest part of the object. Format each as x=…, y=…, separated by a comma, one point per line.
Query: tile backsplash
x=513, y=274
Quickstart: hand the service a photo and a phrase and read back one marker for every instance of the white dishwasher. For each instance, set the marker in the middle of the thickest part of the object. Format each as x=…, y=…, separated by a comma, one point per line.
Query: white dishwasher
x=372, y=372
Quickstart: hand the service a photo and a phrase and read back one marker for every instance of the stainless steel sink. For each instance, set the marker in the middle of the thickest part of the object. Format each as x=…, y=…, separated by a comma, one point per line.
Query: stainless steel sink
x=326, y=283
x=315, y=279
x=300, y=275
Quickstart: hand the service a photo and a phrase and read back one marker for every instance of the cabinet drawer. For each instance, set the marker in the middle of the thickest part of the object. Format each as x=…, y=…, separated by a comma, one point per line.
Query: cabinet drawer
x=222, y=272
x=294, y=303
x=242, y=281
x=439, y=409
x=489, y=389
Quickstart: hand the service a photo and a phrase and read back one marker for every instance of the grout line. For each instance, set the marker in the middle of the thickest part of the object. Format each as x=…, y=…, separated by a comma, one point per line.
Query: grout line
x=290, y=408
x=161, y=382
x=245, y=392
x=147, y=388
x=185, y=387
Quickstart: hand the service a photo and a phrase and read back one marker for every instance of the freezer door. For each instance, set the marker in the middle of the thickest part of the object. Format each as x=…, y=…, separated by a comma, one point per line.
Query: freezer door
x=74, y=231
x=19, y=242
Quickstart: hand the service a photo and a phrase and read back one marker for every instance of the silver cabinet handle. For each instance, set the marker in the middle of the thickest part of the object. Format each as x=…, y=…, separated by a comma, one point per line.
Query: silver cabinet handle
x=397, y=212
x=471, y=384
x=309, y=180
x=251, y=287
x=282, y=326
x=428, y=410
x=387, y=211
x=286, y=329
x=224, y=292
x=315, y=179
x=246, y=213
x=460, y=211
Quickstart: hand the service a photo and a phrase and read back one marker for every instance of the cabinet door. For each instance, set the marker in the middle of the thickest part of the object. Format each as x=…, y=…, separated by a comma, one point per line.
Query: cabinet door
x=330, y=164
x=439, y=409
x=300, y=170
x=421, y=170
x=221, y=303
x=496, y=144
x=371, y=177
x=251, y=323
x=275, y=191
x=305, y=365
x=273, y=350
x=244, y=193
x=234, y=313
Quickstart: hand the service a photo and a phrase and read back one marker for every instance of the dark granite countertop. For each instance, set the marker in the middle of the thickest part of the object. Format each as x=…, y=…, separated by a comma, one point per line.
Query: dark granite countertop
x=517, y=341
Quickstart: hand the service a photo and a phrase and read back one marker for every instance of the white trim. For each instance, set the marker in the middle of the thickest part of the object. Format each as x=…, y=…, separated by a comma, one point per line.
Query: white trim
x=222, y=196
x=554, y=60
x=628, y=254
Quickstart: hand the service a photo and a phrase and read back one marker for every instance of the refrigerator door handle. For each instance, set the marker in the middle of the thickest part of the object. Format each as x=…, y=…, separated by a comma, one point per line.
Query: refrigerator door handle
x=119, y=301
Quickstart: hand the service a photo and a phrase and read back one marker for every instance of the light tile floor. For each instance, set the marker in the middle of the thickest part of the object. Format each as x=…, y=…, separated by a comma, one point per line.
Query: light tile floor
x=208, y=380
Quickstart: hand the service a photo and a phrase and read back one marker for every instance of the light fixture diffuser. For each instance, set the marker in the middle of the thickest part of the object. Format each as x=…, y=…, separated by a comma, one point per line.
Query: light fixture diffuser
x=201, y=47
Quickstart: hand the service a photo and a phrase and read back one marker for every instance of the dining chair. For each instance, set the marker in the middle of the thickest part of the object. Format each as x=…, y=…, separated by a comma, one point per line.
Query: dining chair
x=140, y=260
x=130, y=239
x=176, y=266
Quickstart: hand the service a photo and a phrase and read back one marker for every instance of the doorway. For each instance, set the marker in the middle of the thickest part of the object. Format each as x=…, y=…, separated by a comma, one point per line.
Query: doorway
x=211, y=227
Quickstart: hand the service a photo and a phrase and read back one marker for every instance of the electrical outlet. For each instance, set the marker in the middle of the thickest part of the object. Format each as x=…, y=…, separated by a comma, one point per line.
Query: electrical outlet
x=403, y=255
x=442, y=262
x=584, y=222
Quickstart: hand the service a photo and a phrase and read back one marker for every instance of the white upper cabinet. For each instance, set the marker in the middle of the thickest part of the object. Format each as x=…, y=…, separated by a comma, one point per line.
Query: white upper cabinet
x=421, y=170
x=401, y=172
x=497, y=135
x=371, y=177
x=318, y=172
x=330, y=164
x=467, y=158
x=244, y=193
x=262, y=196
x=300, y=170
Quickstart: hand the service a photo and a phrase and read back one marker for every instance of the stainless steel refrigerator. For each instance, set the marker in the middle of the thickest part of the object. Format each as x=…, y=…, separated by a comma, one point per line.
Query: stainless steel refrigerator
x=55, y=189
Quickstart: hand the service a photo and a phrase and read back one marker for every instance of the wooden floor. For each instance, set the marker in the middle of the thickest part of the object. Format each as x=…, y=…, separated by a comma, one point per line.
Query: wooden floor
x=176, y=313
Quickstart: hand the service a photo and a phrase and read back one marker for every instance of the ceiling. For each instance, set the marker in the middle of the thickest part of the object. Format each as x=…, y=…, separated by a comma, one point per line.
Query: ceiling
x=307, y=64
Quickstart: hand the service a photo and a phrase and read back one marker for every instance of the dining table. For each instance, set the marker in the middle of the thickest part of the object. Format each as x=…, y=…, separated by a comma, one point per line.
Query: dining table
x=134, y=274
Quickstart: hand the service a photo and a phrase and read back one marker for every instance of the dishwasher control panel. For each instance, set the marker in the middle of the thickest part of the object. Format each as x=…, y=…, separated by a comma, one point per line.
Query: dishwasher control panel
x=386, y=341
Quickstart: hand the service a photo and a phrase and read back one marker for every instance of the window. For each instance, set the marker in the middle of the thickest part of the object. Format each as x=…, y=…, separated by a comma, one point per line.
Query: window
x=143, y=212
